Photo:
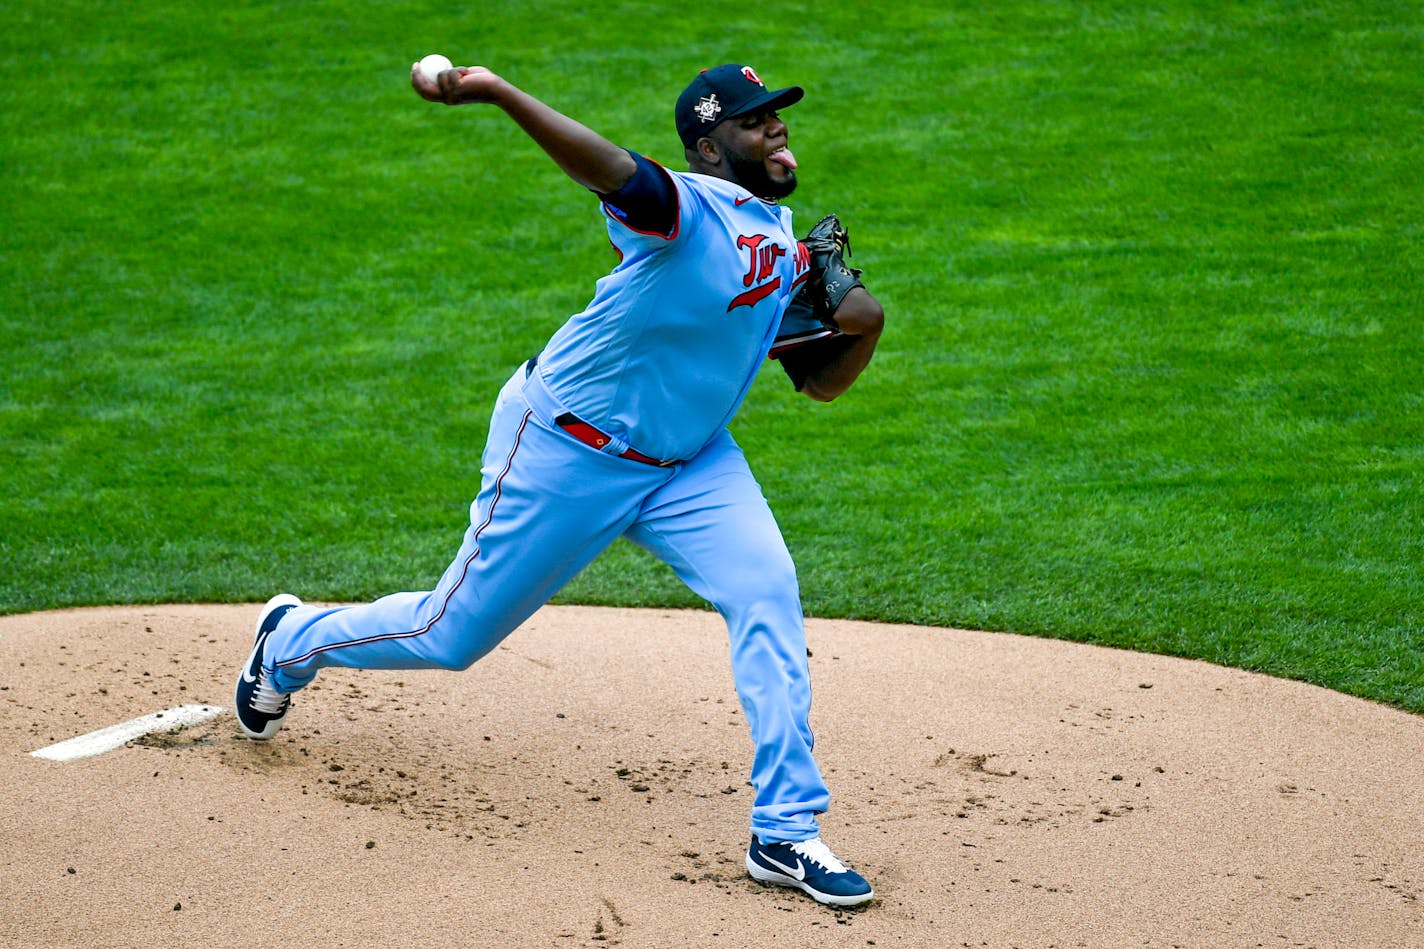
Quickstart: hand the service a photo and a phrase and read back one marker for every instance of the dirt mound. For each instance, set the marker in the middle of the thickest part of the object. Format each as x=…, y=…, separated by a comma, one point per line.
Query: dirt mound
x=585, y=785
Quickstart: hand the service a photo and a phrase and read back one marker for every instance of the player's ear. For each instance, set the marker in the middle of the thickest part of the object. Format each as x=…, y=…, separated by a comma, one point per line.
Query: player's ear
x=708, y=151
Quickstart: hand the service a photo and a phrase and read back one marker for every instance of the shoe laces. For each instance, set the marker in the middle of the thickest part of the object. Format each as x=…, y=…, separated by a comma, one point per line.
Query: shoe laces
x=265, y=697
x=816, y=851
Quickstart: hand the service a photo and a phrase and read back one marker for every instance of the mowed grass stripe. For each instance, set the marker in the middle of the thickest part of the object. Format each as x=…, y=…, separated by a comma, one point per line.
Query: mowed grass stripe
x=1152, y=275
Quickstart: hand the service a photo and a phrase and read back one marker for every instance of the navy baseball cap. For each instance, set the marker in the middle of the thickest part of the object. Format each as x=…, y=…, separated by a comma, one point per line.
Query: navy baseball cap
x=725, y=93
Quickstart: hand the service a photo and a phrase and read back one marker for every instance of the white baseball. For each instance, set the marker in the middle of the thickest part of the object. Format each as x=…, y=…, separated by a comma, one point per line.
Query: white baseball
x=433, y=65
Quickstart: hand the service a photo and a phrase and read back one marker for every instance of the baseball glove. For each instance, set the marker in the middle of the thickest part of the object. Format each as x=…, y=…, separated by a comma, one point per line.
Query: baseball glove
x=830, y=278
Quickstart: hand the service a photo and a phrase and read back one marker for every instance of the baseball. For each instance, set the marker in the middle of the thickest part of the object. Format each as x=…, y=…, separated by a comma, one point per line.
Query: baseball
x=433, y=65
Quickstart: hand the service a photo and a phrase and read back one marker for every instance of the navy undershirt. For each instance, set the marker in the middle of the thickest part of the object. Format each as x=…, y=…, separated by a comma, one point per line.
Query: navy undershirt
x=648, y=201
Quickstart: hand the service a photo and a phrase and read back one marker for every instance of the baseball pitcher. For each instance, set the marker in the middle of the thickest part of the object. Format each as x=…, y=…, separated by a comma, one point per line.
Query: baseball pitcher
x=618, y=428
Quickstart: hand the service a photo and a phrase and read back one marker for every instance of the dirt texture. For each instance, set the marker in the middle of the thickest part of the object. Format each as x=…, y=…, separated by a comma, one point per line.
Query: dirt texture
x=585, y=785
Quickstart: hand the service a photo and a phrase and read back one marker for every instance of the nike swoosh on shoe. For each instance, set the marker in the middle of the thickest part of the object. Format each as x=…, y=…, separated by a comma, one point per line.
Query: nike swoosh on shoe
x=799, y=873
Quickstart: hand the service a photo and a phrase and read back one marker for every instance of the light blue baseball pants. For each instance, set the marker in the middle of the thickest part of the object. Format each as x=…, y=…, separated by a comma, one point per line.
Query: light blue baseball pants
x=548, y=505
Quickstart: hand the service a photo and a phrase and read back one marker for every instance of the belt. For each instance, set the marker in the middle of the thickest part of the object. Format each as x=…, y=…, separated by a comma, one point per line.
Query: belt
x=589, y=435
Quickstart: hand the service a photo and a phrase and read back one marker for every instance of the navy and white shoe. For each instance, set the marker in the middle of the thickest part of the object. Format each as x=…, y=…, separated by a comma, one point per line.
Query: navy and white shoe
x=809, y=866
x=260, y=708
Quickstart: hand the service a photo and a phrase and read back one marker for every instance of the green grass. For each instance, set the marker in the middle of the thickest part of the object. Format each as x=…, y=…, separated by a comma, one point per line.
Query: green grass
x=1153, y=277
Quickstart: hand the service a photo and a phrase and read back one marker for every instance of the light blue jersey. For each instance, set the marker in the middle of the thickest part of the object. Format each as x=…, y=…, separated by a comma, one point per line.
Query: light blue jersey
x=669, y=346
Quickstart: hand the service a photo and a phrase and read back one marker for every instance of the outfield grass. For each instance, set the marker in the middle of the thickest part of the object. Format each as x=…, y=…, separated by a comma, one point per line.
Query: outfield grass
x=1153, y=278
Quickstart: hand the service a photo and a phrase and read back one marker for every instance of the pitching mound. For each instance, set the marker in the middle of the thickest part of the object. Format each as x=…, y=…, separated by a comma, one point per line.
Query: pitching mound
x=585, y=785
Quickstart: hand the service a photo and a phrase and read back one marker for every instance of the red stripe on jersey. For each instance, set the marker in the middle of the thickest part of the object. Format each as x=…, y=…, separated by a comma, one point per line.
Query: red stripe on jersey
x=755, y=295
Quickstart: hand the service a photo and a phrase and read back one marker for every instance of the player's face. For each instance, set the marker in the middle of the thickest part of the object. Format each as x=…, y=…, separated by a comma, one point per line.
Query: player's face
x=756, y=154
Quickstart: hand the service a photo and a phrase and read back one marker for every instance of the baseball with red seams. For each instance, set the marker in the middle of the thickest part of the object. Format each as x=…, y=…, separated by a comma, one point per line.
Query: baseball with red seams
x=433, y=65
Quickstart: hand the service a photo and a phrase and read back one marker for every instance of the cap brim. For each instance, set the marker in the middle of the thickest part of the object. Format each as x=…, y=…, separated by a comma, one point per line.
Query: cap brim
x=779, y=99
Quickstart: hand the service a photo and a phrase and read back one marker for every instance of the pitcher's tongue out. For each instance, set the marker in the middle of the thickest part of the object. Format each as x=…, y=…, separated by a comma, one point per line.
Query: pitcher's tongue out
x=783, y=156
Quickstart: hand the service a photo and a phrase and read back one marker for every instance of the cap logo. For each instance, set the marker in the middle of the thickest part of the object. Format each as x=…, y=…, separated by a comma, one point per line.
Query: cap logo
x=752, y=76
x=707, y=108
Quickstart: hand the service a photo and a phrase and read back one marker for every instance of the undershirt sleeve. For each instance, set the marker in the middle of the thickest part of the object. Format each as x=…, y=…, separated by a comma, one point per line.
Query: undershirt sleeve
x=648, y=202
x=803, y=360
